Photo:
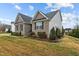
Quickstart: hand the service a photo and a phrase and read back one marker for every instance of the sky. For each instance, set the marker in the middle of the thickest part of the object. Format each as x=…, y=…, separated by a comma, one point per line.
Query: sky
x=69, y=11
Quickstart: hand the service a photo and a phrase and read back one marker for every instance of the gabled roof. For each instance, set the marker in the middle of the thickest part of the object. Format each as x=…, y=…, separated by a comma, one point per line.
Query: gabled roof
x=49, y=15
x=40, y=13
x=25, y=18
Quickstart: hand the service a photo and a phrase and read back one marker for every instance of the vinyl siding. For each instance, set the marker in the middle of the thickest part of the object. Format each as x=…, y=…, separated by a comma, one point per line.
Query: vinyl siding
x=56, y=22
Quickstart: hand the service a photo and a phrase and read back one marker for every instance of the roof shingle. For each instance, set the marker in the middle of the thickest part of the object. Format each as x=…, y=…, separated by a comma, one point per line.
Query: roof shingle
x=50, y=15
x=25, y=18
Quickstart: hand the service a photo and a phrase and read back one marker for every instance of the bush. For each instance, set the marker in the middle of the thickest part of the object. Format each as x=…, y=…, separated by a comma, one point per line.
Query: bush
x=55, y=34
x=52, y=34
x=32, y=34
x=74, y=33
x=63, y=31
x=16, y=34
x=58, y=33
x=42, y=34
x=8, y=31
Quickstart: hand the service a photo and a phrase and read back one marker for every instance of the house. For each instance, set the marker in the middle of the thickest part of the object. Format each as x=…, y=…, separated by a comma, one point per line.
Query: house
x=7, y=27
x=45, y=22
x=41, y=22
x=12, y=27
x=23, y=24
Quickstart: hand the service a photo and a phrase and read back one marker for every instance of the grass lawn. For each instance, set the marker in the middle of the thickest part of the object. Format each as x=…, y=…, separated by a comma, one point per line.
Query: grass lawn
x=15, y=46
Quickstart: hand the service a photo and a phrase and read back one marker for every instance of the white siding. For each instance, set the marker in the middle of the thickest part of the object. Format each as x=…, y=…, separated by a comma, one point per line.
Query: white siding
x=56, y=22
x=12, y=27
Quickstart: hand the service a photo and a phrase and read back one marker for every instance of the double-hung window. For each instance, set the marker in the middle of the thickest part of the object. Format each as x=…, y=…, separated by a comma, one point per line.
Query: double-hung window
x=39, y=25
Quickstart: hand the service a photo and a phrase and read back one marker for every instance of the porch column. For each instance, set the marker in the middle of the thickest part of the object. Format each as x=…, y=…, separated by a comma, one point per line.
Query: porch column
x=24, y=33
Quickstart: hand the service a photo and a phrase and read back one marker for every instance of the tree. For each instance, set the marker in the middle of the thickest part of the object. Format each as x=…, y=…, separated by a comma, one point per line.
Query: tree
x=58, y=33
x=52, y=34
x=63, y=31
x=77, y=23
x=9, y=30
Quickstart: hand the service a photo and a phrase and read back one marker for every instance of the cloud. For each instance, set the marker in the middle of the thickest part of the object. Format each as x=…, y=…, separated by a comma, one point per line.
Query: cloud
x=53, y=9
x=49, y=5
x=65, y=5
x=69, y=19
x=5, y=21
x=17, y=7
x=59, y=6
x=31, y=7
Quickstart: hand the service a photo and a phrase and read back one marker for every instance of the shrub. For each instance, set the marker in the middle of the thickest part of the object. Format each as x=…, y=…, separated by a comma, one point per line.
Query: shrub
x=63, y=31
x=32, y=34
x=74, y=33
x=42, y=34
x=15, y=34
x=58, y=33
x=8, y=31
x=52, y=34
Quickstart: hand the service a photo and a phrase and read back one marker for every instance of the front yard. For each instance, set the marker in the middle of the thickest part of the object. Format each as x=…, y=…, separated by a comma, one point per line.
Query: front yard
x=16, y=45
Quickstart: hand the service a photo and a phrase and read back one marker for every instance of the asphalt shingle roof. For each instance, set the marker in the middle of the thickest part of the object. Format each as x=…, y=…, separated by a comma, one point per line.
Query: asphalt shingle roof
x=50, y=15
x=28, y=19
x=25, y=18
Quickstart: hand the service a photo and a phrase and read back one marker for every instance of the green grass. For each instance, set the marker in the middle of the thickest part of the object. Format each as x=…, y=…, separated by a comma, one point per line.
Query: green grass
x=16, y=45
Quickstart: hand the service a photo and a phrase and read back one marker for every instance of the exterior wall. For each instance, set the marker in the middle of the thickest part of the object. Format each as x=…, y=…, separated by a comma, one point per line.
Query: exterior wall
x=18, y=21
x=46, y=26
x=12, y=27
x=39, y=16
x=18, y=28
x=26, y=27
x=56, y=22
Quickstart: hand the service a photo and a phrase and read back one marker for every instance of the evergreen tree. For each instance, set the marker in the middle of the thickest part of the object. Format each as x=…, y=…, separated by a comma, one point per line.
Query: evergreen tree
x=52, y=34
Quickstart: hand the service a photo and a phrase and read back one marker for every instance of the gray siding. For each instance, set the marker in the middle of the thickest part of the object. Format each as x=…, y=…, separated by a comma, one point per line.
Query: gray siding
x=26, y=27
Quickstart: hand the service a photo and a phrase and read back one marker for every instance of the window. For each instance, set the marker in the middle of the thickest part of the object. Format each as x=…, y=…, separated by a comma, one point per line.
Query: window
x=21, y=27
x=39, y=25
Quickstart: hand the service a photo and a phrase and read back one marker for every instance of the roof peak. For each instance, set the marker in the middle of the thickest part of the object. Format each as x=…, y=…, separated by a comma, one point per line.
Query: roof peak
x=24, y=15
x=53, y=11
x=49, y=12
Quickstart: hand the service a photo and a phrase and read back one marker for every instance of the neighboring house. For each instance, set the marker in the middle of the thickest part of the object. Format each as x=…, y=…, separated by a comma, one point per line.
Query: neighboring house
x=41, y=22
x=23, y=24
x=7, y=27
x=45, y=22
x=12, y=27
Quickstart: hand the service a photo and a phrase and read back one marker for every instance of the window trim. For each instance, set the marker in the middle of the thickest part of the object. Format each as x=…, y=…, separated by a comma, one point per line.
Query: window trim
x=40, y=27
